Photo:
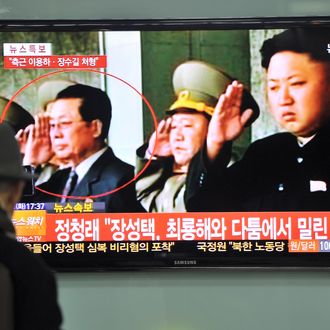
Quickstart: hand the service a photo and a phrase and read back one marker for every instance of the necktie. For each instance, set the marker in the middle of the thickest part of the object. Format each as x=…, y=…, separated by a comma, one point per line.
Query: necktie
x=70, y=185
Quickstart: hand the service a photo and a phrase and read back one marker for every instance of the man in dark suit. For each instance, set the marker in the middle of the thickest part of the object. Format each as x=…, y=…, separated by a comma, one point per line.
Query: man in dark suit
x=283, y=172
x=34, y=302
x=76, y=132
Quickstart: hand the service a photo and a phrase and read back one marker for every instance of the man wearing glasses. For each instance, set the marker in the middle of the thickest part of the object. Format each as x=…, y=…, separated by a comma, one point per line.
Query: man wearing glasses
x=76, y=132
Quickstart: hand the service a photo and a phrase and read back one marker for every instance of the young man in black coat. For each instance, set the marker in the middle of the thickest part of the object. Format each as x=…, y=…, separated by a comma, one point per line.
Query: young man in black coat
x=283, y=172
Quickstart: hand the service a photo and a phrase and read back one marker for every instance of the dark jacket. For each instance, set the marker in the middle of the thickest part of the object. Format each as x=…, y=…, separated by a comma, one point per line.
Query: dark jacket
x=35, y=293
x=105, y=175
x=275, y=174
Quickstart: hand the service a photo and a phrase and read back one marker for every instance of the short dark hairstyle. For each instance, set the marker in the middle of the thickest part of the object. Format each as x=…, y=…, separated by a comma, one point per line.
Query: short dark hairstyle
x=95, y=104
x=313, y=41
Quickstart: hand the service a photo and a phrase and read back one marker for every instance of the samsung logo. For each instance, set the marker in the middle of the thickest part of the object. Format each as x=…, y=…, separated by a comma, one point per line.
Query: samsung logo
x=185, y=262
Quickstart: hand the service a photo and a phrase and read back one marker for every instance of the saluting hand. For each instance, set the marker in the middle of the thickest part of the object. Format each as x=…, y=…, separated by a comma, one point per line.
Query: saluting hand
x=227, y=122
x=38, y=149
x=159, y=144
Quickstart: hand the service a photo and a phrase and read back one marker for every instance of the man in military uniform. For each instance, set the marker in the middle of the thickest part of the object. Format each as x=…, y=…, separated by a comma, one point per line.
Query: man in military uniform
x=286, y=171
x=179, y=137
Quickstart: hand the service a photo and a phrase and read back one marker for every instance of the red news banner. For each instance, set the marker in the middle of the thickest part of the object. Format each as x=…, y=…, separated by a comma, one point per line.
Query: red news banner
x=307, y=228
x=55, y=61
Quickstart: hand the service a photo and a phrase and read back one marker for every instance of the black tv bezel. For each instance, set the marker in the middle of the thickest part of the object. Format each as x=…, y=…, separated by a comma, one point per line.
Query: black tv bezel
x=12, y=25
x=303, y=261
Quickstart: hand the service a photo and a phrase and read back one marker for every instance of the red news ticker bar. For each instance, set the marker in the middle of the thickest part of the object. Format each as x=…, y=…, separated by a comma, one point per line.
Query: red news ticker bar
x=55, y=62
x=187, y=226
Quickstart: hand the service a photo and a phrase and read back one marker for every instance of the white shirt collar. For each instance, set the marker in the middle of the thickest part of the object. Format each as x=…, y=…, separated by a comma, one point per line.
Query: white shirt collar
x=82, y=168
x=304, y=140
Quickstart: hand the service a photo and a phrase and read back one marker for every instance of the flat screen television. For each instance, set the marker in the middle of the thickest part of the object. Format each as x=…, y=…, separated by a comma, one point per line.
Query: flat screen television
x=133, y=62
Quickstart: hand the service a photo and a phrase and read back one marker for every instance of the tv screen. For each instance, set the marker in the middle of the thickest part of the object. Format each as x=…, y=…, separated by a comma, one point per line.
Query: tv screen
x=171, y=143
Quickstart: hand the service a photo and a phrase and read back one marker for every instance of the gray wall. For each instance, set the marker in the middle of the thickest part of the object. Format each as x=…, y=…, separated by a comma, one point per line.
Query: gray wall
x=186, y=300
x=196, y=300
x=30, y=9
